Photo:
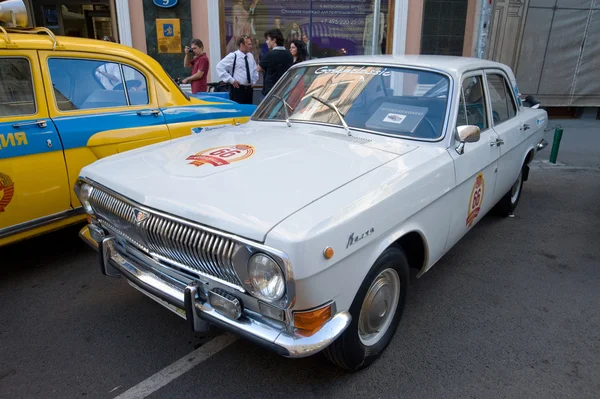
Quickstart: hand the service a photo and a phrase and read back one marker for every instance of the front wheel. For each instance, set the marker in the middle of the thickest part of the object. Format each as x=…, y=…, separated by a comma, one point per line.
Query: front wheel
x=376, y=312
x=507, y=205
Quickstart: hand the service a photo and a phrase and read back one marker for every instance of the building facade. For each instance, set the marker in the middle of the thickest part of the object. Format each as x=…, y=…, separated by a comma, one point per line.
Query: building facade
x=546, y=42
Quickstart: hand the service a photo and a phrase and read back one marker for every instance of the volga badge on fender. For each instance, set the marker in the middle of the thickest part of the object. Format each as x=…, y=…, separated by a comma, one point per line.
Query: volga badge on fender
x=353, y=239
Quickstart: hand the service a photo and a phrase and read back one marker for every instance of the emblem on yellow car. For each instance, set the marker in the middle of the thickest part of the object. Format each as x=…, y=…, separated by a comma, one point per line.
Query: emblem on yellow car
x=220, y=156
x=7, y=190
x=476, y=199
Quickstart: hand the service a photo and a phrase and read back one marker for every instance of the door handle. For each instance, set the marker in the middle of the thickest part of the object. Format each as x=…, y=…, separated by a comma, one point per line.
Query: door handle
x=41, y=123
x=524, y=126
x=149, y=112
x=496, y=143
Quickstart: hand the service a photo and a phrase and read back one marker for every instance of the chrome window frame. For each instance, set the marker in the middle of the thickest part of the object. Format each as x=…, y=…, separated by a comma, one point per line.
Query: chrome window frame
x=503, y=75
x=35, y=104
x=448, y=108
x=121, y=68
x=476, y=73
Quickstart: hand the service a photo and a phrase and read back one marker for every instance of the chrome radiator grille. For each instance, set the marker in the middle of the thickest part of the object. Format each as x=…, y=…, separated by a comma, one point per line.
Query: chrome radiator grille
x=171, y=241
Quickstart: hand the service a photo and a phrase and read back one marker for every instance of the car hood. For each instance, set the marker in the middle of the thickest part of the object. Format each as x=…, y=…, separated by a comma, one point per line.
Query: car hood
x=242, y=179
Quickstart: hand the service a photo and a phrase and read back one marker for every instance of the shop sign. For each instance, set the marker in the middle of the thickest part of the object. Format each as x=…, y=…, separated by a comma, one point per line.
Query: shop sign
x=165, y=3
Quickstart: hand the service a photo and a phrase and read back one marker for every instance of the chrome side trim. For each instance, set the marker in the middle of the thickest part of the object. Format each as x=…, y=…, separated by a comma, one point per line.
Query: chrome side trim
x=32, y=224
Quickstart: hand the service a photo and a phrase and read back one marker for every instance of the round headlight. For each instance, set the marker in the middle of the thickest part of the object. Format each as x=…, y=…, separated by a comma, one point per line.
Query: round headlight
x=84, y=197
x=266, y=277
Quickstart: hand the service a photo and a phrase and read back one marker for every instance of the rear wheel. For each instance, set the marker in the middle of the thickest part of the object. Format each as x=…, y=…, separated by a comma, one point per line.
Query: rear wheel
x=508, y=203
x=376, y=312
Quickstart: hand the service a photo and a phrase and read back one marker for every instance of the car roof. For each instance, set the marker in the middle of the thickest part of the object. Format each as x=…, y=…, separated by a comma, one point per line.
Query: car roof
x=450, y=64
x=44, y=41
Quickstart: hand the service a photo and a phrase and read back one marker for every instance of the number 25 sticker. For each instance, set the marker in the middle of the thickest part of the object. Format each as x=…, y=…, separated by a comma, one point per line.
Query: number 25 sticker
x=220, y=156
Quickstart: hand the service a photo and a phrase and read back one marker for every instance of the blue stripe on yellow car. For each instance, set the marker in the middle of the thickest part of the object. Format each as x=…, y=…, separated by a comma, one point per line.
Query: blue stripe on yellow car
x=27, y=140
x=76, y=131
x=212, y=111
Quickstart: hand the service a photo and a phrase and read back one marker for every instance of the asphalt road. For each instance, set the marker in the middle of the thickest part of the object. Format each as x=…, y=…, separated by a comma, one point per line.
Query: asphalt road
x=512, y=311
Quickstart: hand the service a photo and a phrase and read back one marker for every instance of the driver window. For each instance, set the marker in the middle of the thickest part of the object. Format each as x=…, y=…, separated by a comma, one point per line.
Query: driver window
x=472, y=111
x=86, y=84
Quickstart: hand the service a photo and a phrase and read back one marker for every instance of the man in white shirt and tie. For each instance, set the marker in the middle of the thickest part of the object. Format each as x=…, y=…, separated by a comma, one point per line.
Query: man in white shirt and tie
x=239, y=70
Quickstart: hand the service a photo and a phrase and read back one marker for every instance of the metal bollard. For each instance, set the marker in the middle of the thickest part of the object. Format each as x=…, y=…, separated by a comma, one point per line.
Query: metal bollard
x=558, y=132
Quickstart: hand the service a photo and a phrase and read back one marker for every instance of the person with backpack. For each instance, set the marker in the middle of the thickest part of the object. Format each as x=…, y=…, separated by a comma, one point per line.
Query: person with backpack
x=238, y=69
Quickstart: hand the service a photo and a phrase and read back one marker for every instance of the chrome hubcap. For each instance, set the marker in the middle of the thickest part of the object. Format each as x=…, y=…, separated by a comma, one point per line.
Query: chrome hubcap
x=516, y=189
x=379, y=307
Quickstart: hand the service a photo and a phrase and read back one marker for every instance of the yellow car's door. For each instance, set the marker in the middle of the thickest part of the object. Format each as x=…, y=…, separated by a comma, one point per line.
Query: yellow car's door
x=101, y=105
x=34, y=188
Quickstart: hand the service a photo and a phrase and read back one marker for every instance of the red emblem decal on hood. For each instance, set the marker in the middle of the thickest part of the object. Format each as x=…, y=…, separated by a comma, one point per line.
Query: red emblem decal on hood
x=219, y=156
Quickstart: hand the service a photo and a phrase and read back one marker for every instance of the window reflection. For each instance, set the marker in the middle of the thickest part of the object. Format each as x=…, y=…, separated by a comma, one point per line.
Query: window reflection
x=382, y=99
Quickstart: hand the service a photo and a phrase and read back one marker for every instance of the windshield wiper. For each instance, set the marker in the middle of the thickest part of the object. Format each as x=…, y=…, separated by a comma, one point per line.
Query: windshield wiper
x=285, y=108
x=337, y=111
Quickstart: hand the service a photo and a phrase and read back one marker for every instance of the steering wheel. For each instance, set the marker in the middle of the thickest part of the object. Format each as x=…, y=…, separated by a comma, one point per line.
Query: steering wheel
x=131, y=84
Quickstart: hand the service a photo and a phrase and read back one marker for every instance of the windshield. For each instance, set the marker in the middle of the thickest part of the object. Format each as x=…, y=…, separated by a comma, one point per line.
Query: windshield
x=395, y=101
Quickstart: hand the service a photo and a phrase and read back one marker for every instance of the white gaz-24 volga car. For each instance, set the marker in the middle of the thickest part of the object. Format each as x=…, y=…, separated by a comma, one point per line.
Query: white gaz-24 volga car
x=297, y=229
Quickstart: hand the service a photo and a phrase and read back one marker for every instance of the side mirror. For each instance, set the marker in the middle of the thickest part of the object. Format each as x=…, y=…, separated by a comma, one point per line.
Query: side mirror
x=532, y=102
x=466, y=134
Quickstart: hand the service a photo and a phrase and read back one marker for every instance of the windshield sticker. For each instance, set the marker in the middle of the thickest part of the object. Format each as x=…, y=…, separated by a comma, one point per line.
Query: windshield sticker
x=476, y=199
x=220, y=156
x=394, y=118
x=7, y=190
x=400, y=117
x=354, y=71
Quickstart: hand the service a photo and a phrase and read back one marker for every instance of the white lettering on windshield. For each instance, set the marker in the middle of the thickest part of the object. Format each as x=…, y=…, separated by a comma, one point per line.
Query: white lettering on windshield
x=353, y=71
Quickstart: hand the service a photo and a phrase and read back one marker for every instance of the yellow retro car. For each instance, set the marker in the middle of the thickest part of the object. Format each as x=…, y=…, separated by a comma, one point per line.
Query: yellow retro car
x=66, y=102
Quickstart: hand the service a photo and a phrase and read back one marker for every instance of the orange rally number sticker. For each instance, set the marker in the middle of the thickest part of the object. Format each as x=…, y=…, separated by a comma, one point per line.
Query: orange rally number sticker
x=476, y=199
x=7, y=190
x=219, y=156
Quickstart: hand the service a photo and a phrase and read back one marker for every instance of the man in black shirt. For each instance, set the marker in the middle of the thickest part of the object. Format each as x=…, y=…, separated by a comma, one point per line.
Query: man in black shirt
x=276, y=62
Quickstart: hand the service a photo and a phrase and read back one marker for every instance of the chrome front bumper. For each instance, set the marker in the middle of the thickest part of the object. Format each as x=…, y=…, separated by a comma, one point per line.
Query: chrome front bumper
x=185, y=299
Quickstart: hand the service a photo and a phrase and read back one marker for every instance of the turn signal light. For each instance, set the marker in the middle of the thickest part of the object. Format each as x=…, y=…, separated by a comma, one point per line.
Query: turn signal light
x=310, y=321
x=328, y=253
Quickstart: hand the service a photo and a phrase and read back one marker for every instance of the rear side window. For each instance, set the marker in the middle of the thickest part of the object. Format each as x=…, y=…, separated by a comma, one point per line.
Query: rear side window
x=16, y=88
x=503, y=105
x=137, y=86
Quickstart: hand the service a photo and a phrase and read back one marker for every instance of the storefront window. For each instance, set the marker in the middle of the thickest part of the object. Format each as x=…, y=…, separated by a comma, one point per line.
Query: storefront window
x=75, y=18
x=326, y=27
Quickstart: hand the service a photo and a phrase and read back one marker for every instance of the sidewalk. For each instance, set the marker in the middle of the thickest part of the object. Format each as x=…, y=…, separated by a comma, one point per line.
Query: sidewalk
x=580, y=144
